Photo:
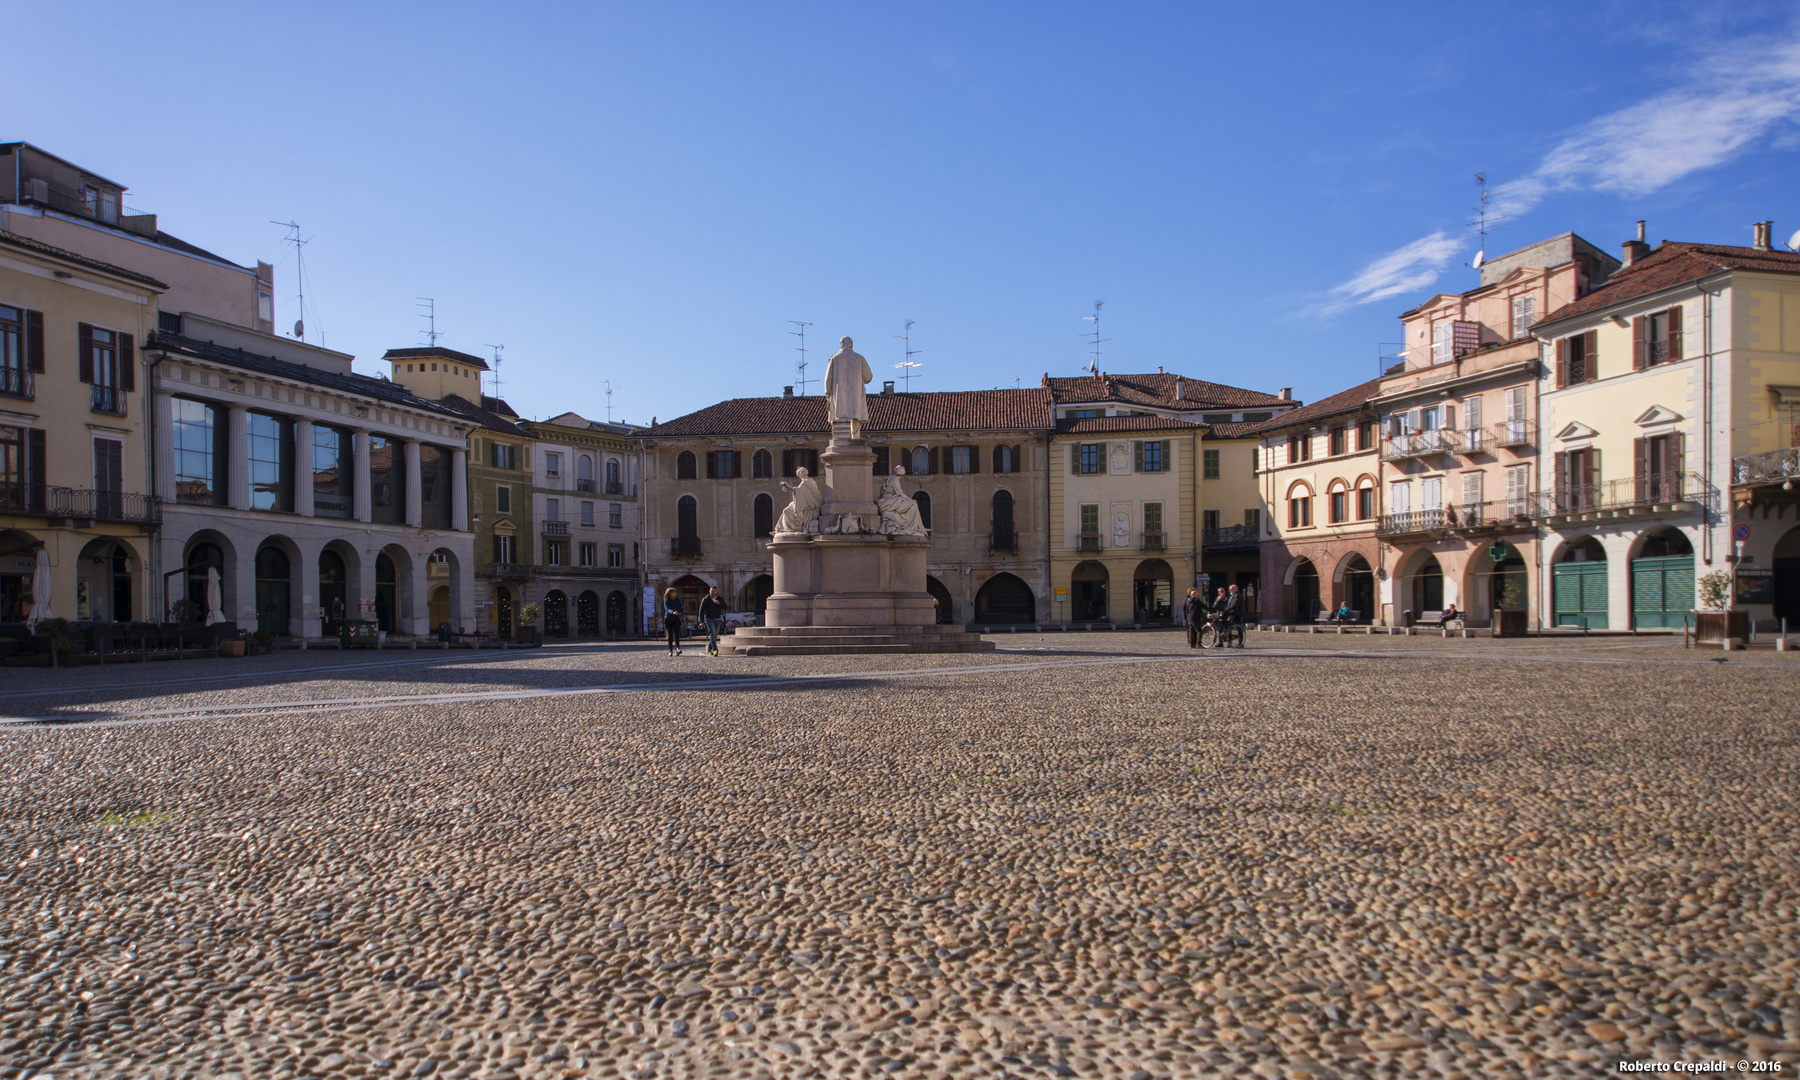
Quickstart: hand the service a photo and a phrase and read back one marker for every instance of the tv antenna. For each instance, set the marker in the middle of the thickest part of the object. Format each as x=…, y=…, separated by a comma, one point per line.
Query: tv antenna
x=299, y=274
x=498, y=349
x=608, y=401
x=430, y=317
x=906, y=366
x=800, y=368
x=1094, y=365
x=1481, y=221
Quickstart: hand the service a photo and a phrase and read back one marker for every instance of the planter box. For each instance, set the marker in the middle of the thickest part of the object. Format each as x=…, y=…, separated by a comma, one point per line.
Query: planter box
x=528, y=635
x=1509, y=624
x=231, y=648
x=257, y=648
x=1710, y=626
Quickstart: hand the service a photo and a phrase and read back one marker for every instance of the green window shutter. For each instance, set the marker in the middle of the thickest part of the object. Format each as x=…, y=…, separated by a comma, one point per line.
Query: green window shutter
x=1138, y=451
x=1075, y=457
x=1166, y=466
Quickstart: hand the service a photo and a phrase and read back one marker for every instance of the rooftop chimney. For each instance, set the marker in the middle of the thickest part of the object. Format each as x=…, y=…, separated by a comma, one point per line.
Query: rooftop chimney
x=887, y=387
x=1635, y=249
x=1178, y=388
x=1761, y=231
x=787, y=391
x=1287, y=393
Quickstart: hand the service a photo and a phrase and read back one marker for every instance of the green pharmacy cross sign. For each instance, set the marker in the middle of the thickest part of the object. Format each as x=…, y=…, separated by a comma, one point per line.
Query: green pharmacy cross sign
x=1498, y=551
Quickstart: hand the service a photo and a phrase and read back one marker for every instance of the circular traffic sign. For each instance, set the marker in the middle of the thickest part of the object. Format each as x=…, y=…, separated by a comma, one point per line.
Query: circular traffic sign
x=1740, y=531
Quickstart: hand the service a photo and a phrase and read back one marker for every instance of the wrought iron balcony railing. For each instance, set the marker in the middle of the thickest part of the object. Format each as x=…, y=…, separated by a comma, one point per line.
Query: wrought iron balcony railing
x=1153, y=541
x=1509, y=433
x=584, y=485
x=1088, y=542
x=109, y=399
x=613, y=487
x=510, y=570
x=688, y=546
x=1229, y=537
x=62, y=502
x=15, y=382
x=1003, y=540
x=1772, y=466
x=1420, y=444
x=1413, y=521
x=1651, y=489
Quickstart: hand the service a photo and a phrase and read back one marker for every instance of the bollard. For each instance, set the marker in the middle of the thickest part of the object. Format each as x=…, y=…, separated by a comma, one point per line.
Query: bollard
x=1781, y=644
x=1340, y=629
x=1733, y=644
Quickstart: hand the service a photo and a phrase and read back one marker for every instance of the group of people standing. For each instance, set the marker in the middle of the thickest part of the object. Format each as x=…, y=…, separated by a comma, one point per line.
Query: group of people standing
x=1226, y=607
x=712, y=616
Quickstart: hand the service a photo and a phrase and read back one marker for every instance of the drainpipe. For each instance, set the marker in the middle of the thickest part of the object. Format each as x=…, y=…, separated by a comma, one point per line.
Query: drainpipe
x=1706, y=436
x=156, y=583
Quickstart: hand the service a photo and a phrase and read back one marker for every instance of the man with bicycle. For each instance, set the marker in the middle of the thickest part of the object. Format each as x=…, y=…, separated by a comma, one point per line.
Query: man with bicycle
x=1225, y=620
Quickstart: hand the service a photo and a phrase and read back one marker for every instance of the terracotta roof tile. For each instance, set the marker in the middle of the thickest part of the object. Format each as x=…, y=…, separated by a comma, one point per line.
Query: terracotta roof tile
x=1097, y=424
x=435, y=354
x=1674, y=263
x=970, y=410
x=487, y=418
x=1157, y=389
x=1344, y=401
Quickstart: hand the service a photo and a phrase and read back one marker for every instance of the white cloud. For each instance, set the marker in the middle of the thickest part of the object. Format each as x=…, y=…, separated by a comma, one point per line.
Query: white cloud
x=1736, y=97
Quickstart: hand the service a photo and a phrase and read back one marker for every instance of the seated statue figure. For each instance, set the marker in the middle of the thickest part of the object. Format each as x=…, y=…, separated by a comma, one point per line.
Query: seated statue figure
x=801, y=515
x=899, y=511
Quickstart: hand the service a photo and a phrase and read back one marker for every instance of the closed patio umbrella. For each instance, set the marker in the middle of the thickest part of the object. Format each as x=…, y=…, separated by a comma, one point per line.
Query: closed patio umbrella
x=40, y=590
x=213, y=600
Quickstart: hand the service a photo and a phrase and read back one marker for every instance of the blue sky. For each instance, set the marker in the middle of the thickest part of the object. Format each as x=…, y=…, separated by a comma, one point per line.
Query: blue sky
x=646, y=194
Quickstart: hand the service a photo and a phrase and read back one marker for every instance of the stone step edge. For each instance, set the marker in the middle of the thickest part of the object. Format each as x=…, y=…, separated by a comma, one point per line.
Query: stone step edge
x=828, y=650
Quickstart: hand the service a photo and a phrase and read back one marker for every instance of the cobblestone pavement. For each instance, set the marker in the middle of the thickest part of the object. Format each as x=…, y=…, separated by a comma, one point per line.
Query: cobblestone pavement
x=1084, y=855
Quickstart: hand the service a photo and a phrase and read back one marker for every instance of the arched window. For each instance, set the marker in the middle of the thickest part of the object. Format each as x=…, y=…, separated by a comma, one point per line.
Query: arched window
x=921, y=461
x=1339, y=499
x=613, y=486
x=1365, y=499
x=1006, y=459
x=924, y=501
x=1004, y=537
x=762, y=465
x=763, y=515
x=1300, y=500
x=584, y=473
x=686, y=467
x=687, y=526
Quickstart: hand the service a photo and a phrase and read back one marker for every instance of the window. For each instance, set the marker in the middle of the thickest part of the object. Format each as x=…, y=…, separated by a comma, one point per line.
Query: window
x=1429, y=418
x=265, y=307
x=1083, y=414
x=924, y=501
x=502, y=499
x=1577, y=359
x=554, y=552
x=1253, y=518
x=723, y=465
x=109, y=478
x=553, y=510
x=1090, y=527
x=106, y=363
x=1399, y=498
x=615, y=516
x=1472, y=414
x=1152, y=455
x=1153, y=523
x=590, y=555
x=12, y=476
x=331, y=471
x=387, y=481
x=1209, y=519
x=271, y=456
x=503, y=455
x=964, y=459
x=762, y=516
x=613, y=484
x=921, y=461
x=800, y=458
x=1524, y=313
x=1442, y=339
x=1300, y=509
x=615, y=556
x=1090, y=458
x=21, y=350
x=1471, y=493
x=587, y=514
x=1340, y=506
x=552, y=463
x=1299, y=448
x=1431, y=493
x=1340, y=442
x=1209, y=464
x=882, y=463
x=1655, y=338
x=199, y=470
x=686, y=466
x=1365, y=502
x=1517, y=490
x=584, y=473
x=1006, y=459
x=1365, y=435
x=1216, y=418
x=762, y=465
x=505, y=549
x=1257, y=417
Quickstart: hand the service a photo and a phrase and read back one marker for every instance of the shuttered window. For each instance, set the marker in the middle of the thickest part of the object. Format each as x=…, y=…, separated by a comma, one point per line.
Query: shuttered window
x=1151, y=455
x=1209, y=464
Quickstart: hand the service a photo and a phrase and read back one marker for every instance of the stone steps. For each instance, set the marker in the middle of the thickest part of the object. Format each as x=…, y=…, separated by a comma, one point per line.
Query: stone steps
x=832, y=640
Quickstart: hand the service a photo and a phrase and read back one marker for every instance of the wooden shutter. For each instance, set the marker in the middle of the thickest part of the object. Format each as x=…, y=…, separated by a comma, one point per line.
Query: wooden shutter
x=1137, y=449
x=1166, y=460
x=1075, y=457
x=1675, y=332
x=1640, y=454
x=1562, y=362
x=34, y=342
x=127, y=363
x=1562, y=476
x=974, y=459
x=1677, y=462
x=1449, y=418
x=931, y=462
x=712, y=464
x=787, y=463
x=1590, y=356
x=881, y=461
x=1639, y=351
x=737, y=464
x=35, y=468
x=84, y=365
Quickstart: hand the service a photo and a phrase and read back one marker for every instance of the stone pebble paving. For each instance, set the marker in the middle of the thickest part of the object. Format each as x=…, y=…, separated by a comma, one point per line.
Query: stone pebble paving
x=1086, y=855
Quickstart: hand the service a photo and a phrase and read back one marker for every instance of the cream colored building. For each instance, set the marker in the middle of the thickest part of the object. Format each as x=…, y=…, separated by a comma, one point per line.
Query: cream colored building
x=1658, y=390
x=586, y=508
x=1124, y=491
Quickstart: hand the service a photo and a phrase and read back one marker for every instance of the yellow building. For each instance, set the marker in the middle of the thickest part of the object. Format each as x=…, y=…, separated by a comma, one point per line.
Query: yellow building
x=1124, y=491
x=74, y=458
x=1660, y=389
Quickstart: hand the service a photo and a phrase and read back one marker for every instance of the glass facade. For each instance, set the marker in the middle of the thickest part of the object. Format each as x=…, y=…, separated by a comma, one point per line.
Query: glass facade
x=271, y=462
x=434, y=487
x=387, y=481
x=199, y=471
x=332, y=472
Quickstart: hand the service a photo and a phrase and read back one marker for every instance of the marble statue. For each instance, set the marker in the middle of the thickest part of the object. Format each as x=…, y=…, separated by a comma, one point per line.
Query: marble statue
x=899, y=511
x=801, y=515
x=845, y=375
x=1121, y=529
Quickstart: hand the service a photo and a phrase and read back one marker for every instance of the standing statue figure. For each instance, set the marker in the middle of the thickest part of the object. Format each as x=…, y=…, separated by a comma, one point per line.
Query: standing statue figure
x=845, y=375
x=801, y=515
x=899, y=511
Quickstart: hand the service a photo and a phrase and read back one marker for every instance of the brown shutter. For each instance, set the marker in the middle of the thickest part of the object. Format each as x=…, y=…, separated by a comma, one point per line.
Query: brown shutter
x=1562, y=362
x=712, y=464
x=1075, y=457
x=1137, y=449
x=787, y=463
x=1018, y=453
x=35, y=468
x=881, y=461
x=127, y=363
x=1640, y=466
x=974, y=459
x=1168, y=463
x=931, y=461
x=1675, y=332
x=1562, y=477
x=1639, y=357
x=84, y=364
x=34, y=342
x=1590, y=360
x=737, y=464
x=1591, y=475
x=1677, y=462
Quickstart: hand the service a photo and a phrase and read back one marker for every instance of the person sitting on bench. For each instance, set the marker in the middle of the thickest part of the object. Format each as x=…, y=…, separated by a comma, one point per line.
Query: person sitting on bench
x=1343, y=613
x=1450, y=615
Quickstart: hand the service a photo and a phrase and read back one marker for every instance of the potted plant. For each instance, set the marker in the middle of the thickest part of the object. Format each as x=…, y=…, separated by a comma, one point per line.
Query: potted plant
x=261, y=643
x=1718, y=622
x=58, y=637
x=235, y=645
x=525, y=633
x=1509, y=613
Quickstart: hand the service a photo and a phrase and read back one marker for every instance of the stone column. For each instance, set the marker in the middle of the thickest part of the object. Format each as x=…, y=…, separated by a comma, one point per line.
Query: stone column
x=359, y=484
x=414, y=505
x=163, y=468
x=237, y=458
x=459, y=490
x=303, y=468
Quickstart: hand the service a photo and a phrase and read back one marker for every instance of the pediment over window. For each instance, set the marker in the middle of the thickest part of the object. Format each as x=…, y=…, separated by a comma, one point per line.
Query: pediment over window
x=1658, y=415
x=1576, y=430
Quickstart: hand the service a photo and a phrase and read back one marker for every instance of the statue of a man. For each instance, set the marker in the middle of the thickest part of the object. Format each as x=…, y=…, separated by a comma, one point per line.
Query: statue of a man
x=845, y=375
x=801, y=515
x=899, y=511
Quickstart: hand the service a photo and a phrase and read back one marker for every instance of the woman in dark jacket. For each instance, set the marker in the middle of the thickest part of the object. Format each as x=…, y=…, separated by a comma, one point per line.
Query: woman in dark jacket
x=672, y=620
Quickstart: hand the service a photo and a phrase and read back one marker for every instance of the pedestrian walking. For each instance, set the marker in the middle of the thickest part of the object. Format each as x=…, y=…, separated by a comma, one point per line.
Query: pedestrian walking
x=672, y=620
x=712, y=613
x=1193, y=614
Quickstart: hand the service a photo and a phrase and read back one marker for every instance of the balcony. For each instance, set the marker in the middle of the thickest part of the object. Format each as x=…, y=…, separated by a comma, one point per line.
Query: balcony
x=1230, y=538
x=509, y=570
x=108, y=399
x=685, y=547
x=85, y=503
x=1771, y=467
x=1411, y=523
x=1514, y=433
x=1003, y=540
x=555, y=528
x=1088, y=542
x=1629, y=496
x=15, y=383
x=584, y=485
x=1420, y=444
x=1153, y=541
x=614, y=487
x=1471, y=441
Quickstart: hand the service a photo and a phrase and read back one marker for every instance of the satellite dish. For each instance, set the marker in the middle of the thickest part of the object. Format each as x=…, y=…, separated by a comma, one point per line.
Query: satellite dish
x=1480, y=257
x=299, y=328
x=1794, y=241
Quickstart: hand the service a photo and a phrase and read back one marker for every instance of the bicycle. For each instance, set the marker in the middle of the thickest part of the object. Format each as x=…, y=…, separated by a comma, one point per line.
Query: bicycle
x=1221, y=633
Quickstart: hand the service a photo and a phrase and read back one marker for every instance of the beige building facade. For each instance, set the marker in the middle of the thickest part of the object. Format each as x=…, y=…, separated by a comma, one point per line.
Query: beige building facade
x=586, y=508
